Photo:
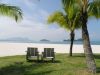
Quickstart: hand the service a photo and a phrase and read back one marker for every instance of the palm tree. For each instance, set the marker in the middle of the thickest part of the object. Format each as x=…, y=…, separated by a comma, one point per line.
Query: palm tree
x=87, y=8
x=11, y=11
x=68, y=21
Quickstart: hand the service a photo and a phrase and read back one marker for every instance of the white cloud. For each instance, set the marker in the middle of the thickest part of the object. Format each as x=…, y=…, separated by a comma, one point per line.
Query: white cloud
x=30, y=28
x=33, y=25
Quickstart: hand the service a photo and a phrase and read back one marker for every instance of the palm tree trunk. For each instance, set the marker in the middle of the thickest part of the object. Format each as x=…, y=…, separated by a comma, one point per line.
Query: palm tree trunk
x=72, y=35
x=86, y=44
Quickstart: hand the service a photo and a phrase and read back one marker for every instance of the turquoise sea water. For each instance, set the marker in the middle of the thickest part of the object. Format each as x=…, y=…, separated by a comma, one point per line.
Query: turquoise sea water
x=75, y=42
x=50, y=42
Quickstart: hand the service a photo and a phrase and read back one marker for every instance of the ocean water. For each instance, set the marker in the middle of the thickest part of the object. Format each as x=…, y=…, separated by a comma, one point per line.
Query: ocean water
x=50, y=42
x=75, y=42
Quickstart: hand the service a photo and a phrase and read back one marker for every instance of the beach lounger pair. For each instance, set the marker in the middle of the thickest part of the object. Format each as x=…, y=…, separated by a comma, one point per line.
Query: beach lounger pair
x=33, y=53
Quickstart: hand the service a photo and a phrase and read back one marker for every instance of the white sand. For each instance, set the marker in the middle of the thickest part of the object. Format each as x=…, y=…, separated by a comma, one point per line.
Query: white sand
x=9, y=49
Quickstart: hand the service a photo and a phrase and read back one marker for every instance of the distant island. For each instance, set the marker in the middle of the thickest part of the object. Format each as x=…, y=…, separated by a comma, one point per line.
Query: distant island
x=45, y=40
x=16, y=39
x=80, y=39
x=66, y=40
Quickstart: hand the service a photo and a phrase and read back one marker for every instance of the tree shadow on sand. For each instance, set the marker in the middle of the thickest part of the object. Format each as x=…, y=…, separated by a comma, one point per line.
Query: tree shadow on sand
x=22, y=68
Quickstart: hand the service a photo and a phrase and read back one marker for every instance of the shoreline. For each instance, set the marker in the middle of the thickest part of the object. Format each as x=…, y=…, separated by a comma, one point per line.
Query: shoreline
x=75, y=43
x=10, y=49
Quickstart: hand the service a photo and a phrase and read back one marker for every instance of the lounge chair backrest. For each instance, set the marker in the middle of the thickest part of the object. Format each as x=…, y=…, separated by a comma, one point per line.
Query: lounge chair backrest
x=48, y=52
x=32, y=51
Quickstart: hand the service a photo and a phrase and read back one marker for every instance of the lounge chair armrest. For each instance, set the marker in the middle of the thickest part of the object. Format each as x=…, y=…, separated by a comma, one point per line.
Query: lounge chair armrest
x=42, y=52
x=37, y=52
x=54, y=54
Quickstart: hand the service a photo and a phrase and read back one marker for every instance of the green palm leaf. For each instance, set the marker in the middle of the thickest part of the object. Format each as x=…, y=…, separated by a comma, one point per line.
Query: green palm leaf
x=59, y=18
x=11, y=11
x=94, y=9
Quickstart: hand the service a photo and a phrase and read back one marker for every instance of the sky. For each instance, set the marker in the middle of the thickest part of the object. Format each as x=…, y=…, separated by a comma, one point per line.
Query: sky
x=34, y=24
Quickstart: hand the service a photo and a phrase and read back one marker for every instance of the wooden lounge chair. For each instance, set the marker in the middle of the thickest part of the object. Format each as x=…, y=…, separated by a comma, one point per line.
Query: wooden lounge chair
x=48, y=53
x=32, y=53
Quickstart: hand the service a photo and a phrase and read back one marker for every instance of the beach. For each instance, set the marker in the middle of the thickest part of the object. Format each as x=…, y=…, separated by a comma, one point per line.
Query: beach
x=10, y=49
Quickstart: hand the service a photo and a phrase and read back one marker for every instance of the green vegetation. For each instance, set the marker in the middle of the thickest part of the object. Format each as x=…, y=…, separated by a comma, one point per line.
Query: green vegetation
x=86, y=9
x=64, y=65
x=69, y=20
x=11, y=11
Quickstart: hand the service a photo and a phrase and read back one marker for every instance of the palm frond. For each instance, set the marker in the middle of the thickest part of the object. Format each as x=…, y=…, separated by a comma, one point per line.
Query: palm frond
x=60, y=19
x=70, y=7
x=71, y=19
x=76, y=22
x=11, y=11
x=67, y=3
x=94, y=9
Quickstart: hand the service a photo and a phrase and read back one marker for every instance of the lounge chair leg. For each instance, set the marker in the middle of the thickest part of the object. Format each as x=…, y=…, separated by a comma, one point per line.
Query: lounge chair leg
x=37, y=58
x=52, y=59
x=27, y=58
x=42, y=59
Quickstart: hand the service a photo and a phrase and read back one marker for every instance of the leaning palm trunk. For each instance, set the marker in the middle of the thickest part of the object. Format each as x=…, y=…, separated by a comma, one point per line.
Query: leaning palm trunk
x=72, y=35
x=86, y=44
